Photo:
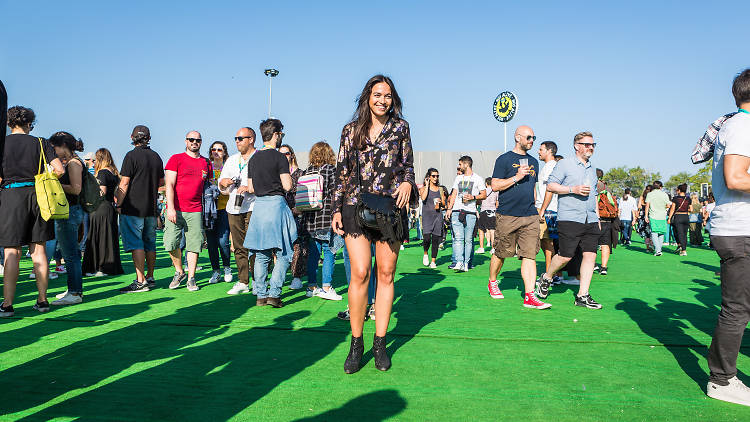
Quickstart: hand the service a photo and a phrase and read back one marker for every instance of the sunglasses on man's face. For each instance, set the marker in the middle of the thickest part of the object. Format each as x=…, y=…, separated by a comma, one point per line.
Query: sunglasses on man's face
x=530, y=138
x=199, y=140
x=588, y=144
x=241, y=138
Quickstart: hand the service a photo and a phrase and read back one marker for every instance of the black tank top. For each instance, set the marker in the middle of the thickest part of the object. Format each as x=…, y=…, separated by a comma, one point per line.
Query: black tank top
x=65, y=180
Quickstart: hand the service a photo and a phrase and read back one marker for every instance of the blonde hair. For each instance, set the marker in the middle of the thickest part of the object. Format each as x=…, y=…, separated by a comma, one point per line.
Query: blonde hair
x=581, y=135
x=322, y=153
x=104, y=161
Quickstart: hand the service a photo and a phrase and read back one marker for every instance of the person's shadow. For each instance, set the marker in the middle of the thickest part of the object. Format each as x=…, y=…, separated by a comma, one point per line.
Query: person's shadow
x=375, y=406
x=215, y=375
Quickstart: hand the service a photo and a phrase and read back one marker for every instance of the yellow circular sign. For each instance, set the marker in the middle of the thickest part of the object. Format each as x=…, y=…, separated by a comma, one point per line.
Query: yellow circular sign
x=505, y=106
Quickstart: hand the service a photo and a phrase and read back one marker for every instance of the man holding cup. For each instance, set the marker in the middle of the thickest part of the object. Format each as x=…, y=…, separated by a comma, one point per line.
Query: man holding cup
x=233, y=182
x=516, y=220
x=574, y=182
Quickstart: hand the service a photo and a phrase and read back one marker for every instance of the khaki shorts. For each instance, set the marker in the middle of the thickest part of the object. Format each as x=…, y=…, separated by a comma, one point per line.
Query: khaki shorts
x=519, y=234
x=191, y=224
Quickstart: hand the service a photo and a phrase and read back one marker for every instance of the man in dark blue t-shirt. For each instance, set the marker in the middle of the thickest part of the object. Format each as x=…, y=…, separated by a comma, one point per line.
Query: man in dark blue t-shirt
x=517, y=219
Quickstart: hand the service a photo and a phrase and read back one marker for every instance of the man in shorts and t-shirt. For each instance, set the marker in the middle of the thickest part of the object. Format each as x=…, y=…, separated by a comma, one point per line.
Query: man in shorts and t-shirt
x=574, y=181
x=141, y=176
x=462, y=211
x=185, y=176
x=730, y=236
x=517, y=221
x=547, y=152
x=233, y=181
x=487, y=211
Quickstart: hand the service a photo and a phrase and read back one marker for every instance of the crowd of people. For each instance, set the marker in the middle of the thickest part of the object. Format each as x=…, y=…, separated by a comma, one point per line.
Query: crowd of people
x=277, y=217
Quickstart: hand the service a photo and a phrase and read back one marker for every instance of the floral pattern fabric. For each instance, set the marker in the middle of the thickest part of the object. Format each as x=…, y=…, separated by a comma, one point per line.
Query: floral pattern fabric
x=383, y=164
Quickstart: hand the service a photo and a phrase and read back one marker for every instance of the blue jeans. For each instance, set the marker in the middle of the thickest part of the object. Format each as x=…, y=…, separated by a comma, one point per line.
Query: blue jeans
x=66, y=233
x=262, y=260
x=463, y=238
x=372, y=287
x=82, y=245
x=218, y=241
x=316, y=248
x=627, y=230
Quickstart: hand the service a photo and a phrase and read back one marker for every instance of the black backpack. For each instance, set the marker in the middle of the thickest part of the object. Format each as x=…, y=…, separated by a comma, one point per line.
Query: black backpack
x=91, y=196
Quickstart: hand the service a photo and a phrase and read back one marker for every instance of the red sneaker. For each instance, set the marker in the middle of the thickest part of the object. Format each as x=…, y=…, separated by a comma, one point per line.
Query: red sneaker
x=530, y=301
x=495, y=292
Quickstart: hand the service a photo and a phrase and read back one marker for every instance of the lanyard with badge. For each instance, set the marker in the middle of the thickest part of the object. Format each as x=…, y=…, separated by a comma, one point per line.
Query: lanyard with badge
x=238, y=199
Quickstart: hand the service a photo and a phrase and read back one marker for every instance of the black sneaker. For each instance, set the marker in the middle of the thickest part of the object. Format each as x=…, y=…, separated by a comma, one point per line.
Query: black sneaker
x=587, y=302
x=42, y=306
x=343, y=315
x=151, y=282
x=542, y=287
x=596, y=267
x=6, y=311
x=603, y=271
x=135, y=287
x=556, y=280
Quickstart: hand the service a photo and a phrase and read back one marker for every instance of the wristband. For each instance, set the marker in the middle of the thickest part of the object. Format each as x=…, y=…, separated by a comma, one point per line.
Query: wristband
x=570, y=189
x=514, y=180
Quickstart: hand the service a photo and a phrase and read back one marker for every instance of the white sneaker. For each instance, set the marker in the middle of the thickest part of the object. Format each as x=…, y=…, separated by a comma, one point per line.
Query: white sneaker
x=32, y=276
x=480, y=250
x=312, y=292
x=61, y=295
x=425, y=260
x=433, y=265
x=238, y=288
x=2, y=270
x=330, y=294
x=402, y=247
x=296, y=284
x=68, y=299
x=571, y=281
x=99, y=274
x=465, y=267
x=492, y=251
x=228, y=274
x=89, y=274
x=735, y=392
x=214, y=278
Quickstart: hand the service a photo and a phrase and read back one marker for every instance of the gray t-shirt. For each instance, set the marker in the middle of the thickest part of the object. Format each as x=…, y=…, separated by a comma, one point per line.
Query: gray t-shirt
x=489, y=203
x=731, y=216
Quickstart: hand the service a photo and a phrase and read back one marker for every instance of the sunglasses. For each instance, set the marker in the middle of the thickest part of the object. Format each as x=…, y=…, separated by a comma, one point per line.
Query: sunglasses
x=287, y=153
x=198, y=140
x=531, y=138
x=435, y=175
x=588, y=144
x=240, y=138
x=281, y=135
x=217, y=149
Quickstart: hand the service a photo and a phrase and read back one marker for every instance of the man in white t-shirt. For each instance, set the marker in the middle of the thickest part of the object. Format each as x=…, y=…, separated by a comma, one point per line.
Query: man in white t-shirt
x=628, y=215
x=462, y=211
x=547, y=152
x=730, y=236
x=233, y=181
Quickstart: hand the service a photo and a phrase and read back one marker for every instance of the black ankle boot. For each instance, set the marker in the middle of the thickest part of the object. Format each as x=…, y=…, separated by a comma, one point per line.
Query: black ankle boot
x=382, y=361
x=354, y=359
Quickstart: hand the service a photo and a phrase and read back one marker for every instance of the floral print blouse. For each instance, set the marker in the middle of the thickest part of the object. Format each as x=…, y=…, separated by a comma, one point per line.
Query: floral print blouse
x=383, y=164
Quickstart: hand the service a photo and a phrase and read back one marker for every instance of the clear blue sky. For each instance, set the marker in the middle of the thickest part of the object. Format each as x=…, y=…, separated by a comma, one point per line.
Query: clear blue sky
x=645, y=77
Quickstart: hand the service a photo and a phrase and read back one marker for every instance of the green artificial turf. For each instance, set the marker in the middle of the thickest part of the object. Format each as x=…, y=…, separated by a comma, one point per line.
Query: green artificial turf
x=458, y=355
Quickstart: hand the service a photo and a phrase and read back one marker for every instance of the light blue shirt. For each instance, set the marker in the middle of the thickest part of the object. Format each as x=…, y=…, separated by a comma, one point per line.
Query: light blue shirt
x=571, y=207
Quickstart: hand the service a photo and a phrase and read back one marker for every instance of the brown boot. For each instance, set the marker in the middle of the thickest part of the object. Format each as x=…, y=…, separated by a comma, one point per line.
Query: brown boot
x=261, y=302
x=275, y=302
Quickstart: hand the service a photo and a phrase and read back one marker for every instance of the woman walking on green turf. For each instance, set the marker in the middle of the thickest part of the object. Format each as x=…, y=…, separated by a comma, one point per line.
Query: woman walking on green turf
x=374, y=183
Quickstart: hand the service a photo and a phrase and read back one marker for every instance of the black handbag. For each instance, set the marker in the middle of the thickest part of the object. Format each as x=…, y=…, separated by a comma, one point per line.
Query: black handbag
x=378, y=213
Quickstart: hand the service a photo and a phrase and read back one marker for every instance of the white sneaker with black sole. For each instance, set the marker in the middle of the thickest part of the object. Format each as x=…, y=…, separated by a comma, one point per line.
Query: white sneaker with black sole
x=735, y=392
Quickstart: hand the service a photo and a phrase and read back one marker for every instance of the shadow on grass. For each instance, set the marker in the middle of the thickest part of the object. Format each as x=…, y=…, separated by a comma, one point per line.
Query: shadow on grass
x=375, y=406
x=171, y=369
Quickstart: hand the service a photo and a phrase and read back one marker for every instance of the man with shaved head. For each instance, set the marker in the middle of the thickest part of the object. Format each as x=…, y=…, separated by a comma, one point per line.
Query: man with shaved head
x=185, y=175
x=517, y=219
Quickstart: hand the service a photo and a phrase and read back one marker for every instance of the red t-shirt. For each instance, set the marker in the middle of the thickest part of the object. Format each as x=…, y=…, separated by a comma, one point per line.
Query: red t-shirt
x=191, y=173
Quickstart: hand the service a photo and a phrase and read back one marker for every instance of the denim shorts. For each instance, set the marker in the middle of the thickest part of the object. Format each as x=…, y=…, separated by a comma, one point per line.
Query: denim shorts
x=138, y=233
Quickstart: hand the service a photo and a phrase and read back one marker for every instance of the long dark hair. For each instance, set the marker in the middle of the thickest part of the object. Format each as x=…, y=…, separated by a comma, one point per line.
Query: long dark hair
x=361, y=119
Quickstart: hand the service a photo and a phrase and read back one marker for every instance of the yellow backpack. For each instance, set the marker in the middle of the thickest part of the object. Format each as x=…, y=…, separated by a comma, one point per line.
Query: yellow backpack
x=49, y=192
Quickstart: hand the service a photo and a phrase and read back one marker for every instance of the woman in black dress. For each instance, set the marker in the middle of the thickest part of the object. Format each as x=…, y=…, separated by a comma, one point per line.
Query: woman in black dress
x=21, y=222
x=102, y=255
x=375, y=162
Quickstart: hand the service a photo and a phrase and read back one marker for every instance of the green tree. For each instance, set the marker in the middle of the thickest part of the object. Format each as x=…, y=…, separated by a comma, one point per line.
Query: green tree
x=635, y=178
x=678, y=179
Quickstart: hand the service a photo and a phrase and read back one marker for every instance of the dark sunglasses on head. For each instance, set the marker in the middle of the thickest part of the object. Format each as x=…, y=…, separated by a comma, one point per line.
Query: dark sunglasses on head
x=531, y=138
x=240, y=138
x=194, y=140
x=588, y=144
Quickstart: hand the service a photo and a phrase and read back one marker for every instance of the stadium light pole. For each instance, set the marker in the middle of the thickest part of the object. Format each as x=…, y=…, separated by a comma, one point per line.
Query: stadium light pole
x=271, y=73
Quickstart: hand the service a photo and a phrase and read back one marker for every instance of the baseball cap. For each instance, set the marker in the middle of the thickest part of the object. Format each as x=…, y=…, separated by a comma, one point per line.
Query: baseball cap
x=141, y=130
x=88, y=156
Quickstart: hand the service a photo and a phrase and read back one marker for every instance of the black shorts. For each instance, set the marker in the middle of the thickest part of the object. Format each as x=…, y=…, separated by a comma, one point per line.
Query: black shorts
x=487, y=220
x=352, y=227
x=572, y=235
x=21, y=222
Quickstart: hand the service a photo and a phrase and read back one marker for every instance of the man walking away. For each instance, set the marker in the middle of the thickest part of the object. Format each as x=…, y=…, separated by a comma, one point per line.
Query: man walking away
x=657, y=203
x=730, y=235
x=628, y=215
x=141, y=176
